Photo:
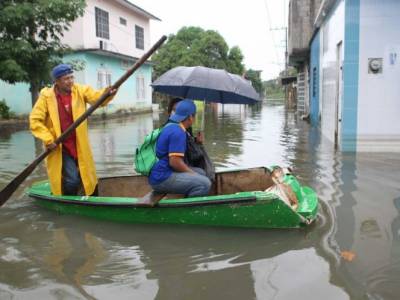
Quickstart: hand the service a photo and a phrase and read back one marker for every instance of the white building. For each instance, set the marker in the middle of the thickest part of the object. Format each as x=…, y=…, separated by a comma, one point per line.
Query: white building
x=353, y=71
x=121, y=26
x=107, y=39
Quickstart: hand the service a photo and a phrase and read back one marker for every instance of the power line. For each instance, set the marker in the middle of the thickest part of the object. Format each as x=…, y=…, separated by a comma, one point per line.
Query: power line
x=270, y=29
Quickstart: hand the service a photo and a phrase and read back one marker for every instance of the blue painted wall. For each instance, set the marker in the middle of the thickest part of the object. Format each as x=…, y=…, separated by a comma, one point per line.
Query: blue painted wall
x=314, y=79
x=350, y=75
x=126, y=96
x=17, y=97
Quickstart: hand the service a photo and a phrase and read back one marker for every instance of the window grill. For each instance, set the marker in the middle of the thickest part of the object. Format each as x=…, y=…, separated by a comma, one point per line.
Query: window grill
x=102, y=26
x=139, y=37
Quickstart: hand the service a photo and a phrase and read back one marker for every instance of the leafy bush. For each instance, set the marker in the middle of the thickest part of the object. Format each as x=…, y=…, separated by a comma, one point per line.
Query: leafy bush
x=5, y=112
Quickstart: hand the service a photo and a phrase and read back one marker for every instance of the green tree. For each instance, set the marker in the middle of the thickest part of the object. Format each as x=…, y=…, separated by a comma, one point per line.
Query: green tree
x=274, y=89
x=194, y=46
x=30, y=32
x=235, y=58
x=255, y=78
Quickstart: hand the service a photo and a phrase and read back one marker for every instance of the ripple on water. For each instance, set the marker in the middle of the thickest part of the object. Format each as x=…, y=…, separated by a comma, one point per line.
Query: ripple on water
x=12, y=254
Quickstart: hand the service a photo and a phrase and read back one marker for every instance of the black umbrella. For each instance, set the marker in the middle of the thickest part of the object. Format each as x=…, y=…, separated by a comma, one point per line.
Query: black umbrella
x=207, y=84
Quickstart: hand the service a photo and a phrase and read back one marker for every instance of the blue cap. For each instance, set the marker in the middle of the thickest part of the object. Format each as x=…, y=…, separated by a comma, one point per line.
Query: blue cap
x=184, y=109
x=61, y=70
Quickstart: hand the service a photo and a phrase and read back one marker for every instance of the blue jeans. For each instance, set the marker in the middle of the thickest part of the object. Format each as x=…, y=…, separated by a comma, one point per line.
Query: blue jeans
x=71, y=179
x=190, y=184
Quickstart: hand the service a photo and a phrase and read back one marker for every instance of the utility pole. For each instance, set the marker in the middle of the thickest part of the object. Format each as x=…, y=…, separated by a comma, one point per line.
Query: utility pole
x=286, y=56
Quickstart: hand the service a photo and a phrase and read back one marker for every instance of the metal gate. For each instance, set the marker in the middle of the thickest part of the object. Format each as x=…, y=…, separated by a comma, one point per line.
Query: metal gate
x=301, y=93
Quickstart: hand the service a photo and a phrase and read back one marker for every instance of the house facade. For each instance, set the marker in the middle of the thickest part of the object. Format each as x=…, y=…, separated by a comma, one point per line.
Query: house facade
x=302, y=14
x=353, y=69
x=107, y=40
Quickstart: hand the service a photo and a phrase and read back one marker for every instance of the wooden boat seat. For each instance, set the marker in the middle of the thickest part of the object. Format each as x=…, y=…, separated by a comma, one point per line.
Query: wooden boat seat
x=150, y=199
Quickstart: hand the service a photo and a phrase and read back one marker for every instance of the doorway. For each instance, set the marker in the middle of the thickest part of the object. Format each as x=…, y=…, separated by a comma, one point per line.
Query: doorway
x=339, y=92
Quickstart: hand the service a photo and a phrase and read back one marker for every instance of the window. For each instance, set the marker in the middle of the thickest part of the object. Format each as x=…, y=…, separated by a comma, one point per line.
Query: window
x=102, y=27
x=325, y=38
x=126, y=64
x=103, y=79
x=140, y=90
x=139, y=35
x=314, y=83
x=122, y=21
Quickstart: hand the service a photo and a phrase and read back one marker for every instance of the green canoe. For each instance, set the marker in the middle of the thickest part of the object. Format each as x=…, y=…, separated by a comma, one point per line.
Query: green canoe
x=238, y=199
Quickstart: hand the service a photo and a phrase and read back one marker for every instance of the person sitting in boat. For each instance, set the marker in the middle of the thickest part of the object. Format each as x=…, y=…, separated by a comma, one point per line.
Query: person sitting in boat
x=70, y=165
x=171, y=174
x=195, y=155
x=199, y=138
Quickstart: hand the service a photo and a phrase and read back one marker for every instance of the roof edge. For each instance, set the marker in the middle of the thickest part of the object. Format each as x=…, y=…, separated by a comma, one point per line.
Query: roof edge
x=323, y=11
x=138, y=9
x=110, y=54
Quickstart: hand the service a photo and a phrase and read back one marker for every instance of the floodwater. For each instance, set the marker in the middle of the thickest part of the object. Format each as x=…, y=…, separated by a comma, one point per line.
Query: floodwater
x=351, y=252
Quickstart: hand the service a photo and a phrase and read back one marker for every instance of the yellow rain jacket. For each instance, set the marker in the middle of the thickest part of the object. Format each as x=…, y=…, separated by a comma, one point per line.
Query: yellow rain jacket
x=45, y=125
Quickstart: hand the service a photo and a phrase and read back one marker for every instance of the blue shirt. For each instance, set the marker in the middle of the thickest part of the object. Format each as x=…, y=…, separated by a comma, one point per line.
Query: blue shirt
x=171, y=142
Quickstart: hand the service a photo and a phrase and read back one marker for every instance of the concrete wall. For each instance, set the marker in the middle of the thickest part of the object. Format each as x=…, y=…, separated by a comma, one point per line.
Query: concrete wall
x=74, y=37
x=302, y=14
x=122, y=38
x=378, y=125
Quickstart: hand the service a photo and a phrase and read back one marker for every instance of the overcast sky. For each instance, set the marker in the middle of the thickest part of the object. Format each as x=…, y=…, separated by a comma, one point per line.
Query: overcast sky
x=242, y=23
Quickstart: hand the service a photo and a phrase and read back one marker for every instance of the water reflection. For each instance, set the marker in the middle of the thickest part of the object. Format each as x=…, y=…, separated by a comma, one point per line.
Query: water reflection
x=85, y=258
x=365, y=219
x=114, y=143
x=46, y=255
x=15, y=151
x=274, y=280
x=356, y=193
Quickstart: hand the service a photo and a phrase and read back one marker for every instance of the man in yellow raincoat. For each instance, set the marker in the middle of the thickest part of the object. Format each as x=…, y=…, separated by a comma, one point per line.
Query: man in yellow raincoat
x=70, y=165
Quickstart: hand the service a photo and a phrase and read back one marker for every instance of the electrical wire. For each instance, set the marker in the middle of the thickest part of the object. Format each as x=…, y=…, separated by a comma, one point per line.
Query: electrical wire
x=270, y=29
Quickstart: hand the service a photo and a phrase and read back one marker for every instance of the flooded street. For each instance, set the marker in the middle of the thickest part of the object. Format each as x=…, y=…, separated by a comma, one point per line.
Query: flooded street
x=351, y=252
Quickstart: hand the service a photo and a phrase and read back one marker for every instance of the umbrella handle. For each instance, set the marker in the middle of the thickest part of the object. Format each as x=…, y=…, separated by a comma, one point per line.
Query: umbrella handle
x=203, y=116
